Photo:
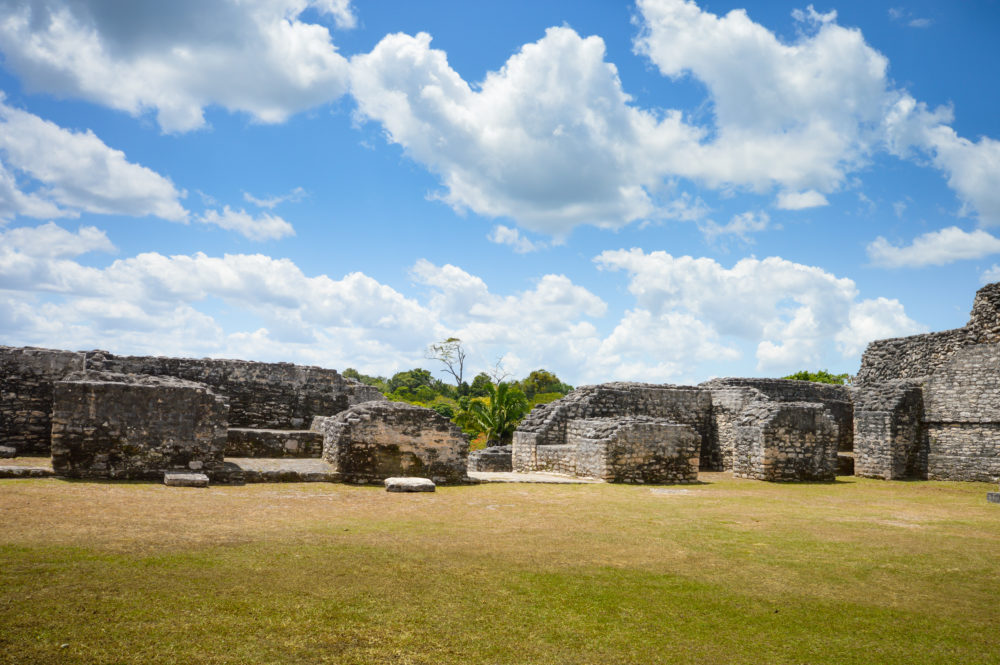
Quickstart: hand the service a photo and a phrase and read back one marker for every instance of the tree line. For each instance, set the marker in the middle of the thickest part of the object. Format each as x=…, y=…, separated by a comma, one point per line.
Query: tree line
x=488, y=409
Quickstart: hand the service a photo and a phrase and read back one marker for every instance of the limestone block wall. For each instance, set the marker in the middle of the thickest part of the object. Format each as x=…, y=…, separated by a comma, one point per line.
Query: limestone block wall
x=373, y=441
x=261, y=395
x=786, y=441
x=556, y=458
x=27, y=376
x=889, y=440
x=732, y=396
x=547, y=424
x=635, y=450
x=246, y=442
x=108, y=425
x=910, y=357
x=962, y=416
x=493, y=459
x=922, y=355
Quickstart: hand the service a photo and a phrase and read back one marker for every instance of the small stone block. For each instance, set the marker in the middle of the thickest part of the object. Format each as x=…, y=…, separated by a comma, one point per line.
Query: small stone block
x=7, y=451
x=993, y=497
x=185, y=479
x=409, y=485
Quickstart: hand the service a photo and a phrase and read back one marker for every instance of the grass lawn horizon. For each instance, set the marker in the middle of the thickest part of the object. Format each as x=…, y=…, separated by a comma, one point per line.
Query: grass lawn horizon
x=725, y=571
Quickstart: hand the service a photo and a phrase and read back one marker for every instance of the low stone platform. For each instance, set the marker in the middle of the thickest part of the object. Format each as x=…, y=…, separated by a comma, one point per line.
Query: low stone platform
x=531, y=477
x=8, y=452
x=14, y=471
x=409, y=485
x=178, y=479
x=283, y=470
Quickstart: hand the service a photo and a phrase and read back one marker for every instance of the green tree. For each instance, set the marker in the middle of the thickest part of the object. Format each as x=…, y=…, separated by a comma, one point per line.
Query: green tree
x=822, y=376
x=542, y=381
x=376, y=381
x=411, y=380
x=498, y=414
x=480, y=385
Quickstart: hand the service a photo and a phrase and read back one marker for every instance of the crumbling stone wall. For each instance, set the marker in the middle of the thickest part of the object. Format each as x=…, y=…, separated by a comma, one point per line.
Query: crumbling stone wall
x=261, y=395
x=888, y=431
x=636, y=449
x=732, y=397
x=107, y=425
x=245, y=442
x=962, y=416
x=27, y=376
x=957, y=375
x=919, y=356
x=492, y=459
x=785, y=441
x=546, y=425
x=376, y=440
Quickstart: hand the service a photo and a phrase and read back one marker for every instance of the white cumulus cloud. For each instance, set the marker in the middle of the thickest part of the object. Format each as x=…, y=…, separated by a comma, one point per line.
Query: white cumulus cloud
x=550, y=140
x=793, y=313
x=801, y=200
x=936, y=248
x=505, y=235
x=176, y=58
x=71, y=172
x=263, y=227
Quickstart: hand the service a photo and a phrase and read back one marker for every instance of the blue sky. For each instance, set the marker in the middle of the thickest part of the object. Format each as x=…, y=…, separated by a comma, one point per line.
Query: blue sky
x=661, y=190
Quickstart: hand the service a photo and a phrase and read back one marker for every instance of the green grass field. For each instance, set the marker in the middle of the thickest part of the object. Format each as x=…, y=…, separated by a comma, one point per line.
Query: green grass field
x=727, y=571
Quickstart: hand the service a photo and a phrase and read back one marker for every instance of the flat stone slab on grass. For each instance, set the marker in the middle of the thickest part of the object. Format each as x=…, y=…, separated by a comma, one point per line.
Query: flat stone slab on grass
x=993, y=497
x=185, y=479
x=529, y=477
x=409, y=485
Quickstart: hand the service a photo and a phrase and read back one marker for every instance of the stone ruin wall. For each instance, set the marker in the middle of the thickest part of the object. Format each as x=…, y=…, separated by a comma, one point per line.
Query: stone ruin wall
x=546, y=425
x=262, y=396
x=919, y=356
x=962, y=416
x=732, y=397
x=494, y=459
x=888, y=425
x=27, y=378
x=107, y=425
x=377, y=440
x=786, y=441
x=634, y=449
x=926, y=405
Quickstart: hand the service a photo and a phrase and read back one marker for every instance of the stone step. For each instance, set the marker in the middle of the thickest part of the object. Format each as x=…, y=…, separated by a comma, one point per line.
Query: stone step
x=283, y=470
x=273, y=443
x=26, y=471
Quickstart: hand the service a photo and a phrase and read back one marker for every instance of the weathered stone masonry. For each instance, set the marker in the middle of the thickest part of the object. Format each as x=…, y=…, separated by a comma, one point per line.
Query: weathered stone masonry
x=377, y=440
x=27, y=378
x=262, y=396
x=107, y=425
x=771, y=429
x=928, y=406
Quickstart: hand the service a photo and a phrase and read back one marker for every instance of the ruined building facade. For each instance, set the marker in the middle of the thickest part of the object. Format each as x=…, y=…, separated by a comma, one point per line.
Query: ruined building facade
x=103, y=415
x=766, y=429
x=928, y=406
